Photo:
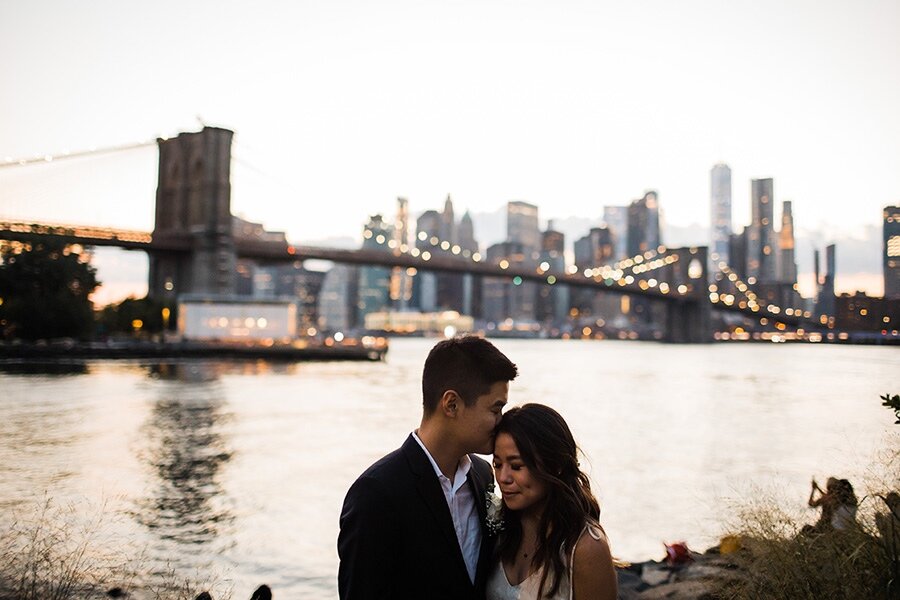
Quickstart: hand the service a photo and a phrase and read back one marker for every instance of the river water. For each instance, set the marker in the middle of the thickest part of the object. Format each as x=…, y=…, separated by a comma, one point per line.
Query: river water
x=235, y=472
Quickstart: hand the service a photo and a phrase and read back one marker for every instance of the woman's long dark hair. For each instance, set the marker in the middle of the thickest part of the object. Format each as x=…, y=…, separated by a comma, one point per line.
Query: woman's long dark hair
x=547, y=448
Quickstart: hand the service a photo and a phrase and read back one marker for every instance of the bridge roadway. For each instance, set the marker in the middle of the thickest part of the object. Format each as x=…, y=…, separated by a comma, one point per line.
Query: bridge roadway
x=282, y=251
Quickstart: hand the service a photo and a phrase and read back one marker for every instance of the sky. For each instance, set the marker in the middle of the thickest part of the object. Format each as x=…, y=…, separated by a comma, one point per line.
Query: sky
x=339, y=106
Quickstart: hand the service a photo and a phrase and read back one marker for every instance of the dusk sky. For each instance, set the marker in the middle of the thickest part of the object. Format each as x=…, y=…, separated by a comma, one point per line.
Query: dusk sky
x=339, y=107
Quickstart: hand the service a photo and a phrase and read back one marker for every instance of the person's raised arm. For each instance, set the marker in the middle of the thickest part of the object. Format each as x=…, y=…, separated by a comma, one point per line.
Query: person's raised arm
x=813, y=501
x=366, y=543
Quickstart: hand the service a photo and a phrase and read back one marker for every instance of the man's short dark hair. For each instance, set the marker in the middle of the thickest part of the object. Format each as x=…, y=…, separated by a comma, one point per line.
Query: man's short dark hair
x=469, y=365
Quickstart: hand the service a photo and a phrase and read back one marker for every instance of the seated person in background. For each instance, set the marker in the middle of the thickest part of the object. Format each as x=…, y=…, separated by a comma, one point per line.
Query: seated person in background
x=827, y=500
x=845, y=506
x=838, y=503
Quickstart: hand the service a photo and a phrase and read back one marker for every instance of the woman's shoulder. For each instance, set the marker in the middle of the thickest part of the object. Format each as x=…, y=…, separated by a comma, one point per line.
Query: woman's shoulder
x=592, y=546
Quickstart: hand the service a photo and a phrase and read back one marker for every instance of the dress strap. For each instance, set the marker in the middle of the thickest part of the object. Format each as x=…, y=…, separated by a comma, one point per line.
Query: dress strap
x=595, y=532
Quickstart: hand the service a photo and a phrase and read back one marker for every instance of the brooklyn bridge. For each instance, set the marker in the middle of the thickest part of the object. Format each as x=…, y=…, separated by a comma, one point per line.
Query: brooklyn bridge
x=196, y=243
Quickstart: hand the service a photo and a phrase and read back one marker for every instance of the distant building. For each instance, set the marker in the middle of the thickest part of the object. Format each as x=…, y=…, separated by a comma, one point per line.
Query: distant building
x=291, y=282
x=428, y=230
x=522, y=225
x=891, y=252
x=787, y=264
x=859, y=312
x=553, y=300
x=761, y=249
x=401, y=280
x=825, y=303
x=720, y=213
x=737, y=252
x=337, y=299
x=643, y=225
x=595, y=249
x=374, y=282
x=504, y=299
x=616, y=219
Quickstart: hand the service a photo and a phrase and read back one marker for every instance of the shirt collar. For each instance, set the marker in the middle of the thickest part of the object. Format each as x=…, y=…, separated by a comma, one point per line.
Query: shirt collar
x=462, y=467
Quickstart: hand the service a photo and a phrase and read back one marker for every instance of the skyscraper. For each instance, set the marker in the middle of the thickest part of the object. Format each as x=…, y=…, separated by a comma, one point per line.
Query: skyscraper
x=891, y=252
x=466, y=234
x=643, y=225
x=428, y=229
x=761, y=236
x=787, y=265
x=374, y=282
x=401, y=282
x=522, y=225
x=720, y=212
x=616, y=219
x=553, y=300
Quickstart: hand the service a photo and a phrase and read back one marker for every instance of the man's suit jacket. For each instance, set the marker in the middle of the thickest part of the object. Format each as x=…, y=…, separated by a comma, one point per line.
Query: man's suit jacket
x=397, y=539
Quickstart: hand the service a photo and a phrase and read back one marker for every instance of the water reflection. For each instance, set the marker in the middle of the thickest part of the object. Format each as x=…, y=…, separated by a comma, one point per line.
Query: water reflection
x=186, y=451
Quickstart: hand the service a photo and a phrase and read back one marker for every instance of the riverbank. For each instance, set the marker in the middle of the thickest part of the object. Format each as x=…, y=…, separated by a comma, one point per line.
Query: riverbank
x=145, y=349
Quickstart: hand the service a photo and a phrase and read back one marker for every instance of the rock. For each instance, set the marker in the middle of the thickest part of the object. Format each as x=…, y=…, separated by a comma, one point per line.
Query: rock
x=263, y=592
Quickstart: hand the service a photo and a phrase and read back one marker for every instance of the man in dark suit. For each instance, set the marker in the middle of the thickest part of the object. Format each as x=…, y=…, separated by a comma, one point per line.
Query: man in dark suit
x=412, y=525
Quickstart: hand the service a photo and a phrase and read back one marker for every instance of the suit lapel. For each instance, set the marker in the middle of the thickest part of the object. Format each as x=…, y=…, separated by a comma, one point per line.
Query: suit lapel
x=432, y=494
x=479, y=485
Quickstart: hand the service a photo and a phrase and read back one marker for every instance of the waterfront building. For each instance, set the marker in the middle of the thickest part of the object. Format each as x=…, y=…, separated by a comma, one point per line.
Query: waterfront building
x=616, y=219
x=720, y=213
x=374, y=282
x=448, y=223
x=522, y=225
x=466, y=234
x=737, y=252
x=643, y=225
x=471, y=293
x=891, y=252
x=825, y=302
x=291, y=282
x=787, y=265
x=442, y=323
x=553, y=300
x=859, y=312
x=761, y=259
x=428, y=229
x=401, y=280
x=337, y=299
x=595, y=249
x=503, y=299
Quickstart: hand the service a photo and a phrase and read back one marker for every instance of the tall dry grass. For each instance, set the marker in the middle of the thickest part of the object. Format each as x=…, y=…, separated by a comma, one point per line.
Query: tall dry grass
x=779, y=562
x=64, y=552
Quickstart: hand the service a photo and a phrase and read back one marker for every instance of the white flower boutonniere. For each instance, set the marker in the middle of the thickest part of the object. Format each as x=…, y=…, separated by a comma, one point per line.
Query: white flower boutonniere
x=494, y=514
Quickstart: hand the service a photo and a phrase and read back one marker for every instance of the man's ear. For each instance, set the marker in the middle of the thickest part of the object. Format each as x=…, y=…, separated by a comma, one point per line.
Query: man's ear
x=450, y=402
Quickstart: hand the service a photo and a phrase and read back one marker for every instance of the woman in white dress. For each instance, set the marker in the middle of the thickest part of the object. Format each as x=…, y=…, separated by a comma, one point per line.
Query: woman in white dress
x=551, y=545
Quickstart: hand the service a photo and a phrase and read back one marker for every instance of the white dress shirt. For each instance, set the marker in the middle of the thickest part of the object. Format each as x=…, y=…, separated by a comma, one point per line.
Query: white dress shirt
x=463, y=509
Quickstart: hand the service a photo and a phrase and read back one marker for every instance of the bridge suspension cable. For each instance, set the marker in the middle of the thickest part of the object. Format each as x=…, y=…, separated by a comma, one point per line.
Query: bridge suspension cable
x=47, y=158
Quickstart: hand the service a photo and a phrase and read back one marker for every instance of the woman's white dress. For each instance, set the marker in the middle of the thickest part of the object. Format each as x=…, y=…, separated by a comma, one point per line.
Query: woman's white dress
x=499, y=588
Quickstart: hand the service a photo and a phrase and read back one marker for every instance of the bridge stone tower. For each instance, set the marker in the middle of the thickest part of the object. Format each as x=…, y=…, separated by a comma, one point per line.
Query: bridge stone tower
x=193, y=232
x=688, y=320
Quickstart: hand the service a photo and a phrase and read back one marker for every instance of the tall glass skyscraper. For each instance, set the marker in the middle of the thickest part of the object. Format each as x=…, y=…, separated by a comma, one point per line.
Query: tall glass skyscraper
x=720, y=212
x=761, y=248
x=891, y=258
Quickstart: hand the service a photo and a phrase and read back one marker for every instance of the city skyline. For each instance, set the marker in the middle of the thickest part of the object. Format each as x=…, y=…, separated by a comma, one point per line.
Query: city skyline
x=339, y=108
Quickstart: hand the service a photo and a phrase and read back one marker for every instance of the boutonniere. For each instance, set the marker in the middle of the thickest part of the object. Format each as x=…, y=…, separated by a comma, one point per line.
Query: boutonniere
x=493, y=519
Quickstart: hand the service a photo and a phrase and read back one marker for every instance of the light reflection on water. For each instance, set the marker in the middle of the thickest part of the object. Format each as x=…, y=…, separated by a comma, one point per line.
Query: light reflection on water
x=238, y=470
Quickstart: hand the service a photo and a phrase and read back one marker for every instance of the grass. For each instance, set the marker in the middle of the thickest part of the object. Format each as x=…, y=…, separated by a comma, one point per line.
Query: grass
x=52, y=552
x=778, y=562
